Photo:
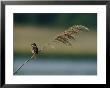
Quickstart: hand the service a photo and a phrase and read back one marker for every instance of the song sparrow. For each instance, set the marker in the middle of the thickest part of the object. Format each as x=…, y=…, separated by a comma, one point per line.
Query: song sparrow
x=34, y=48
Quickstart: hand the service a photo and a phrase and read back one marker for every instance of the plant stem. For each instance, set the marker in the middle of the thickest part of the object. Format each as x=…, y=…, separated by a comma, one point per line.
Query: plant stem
x=24, y=63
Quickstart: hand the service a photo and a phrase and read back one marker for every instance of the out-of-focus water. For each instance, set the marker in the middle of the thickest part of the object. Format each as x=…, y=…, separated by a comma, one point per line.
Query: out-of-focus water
x=57, y=67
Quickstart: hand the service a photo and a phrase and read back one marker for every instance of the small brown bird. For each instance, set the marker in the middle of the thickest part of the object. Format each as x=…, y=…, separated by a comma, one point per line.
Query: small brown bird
x=34, y=48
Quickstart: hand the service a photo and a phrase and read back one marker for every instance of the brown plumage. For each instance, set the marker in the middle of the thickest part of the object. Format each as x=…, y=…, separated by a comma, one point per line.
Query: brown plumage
x=34, y=48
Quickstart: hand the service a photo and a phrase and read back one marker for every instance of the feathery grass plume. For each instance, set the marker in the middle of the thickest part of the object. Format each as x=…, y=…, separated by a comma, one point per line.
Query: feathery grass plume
x=70, y=34
x=63, y=39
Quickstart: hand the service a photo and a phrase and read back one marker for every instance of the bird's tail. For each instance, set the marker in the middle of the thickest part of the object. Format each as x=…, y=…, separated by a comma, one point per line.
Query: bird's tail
x=35, y=56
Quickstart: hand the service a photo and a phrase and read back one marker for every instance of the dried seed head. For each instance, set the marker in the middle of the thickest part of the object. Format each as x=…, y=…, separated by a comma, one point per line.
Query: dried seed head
x=70, y=33
x=80, y=27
